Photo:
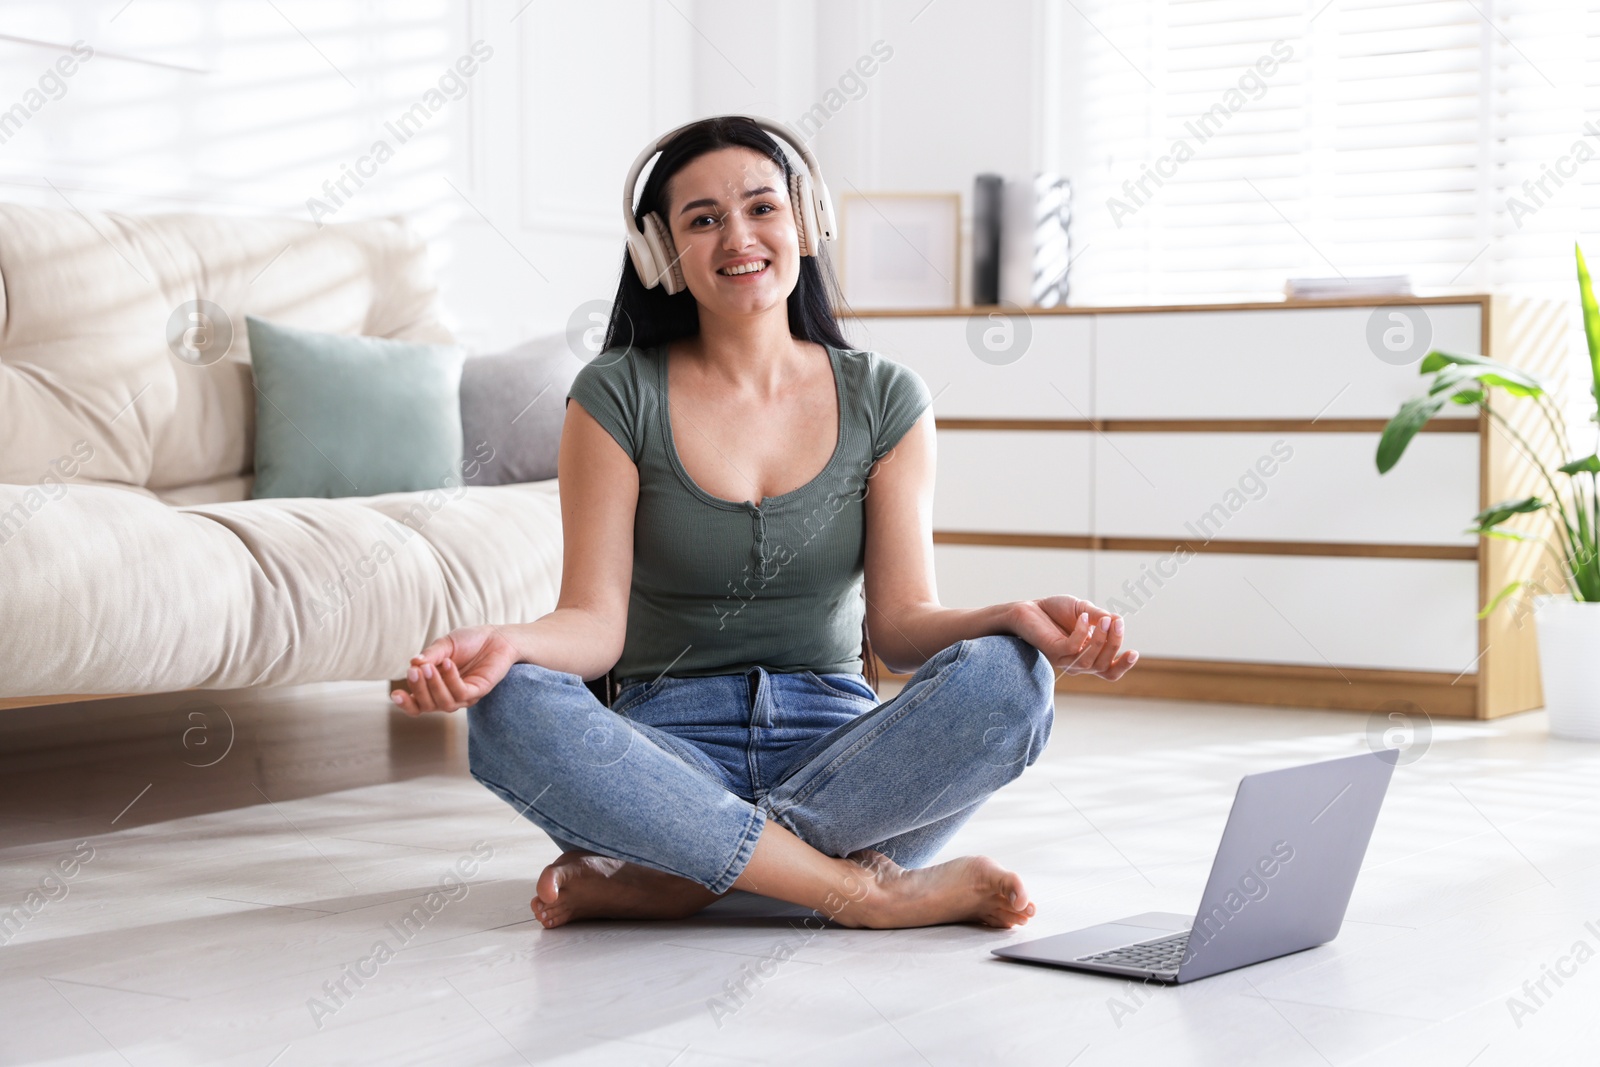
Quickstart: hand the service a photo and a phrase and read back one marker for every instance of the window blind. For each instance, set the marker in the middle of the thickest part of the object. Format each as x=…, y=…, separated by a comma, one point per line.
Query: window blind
x=1230, y=144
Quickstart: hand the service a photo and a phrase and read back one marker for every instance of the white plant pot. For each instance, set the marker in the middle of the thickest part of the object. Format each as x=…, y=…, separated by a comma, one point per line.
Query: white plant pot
x=1569, y=665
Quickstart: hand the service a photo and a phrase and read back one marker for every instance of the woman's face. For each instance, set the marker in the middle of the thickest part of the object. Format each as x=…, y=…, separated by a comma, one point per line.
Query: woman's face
x=736, y=231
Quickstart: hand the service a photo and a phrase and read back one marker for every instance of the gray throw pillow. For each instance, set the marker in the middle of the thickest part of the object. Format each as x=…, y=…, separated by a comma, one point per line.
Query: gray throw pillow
x=512, y=407
x=342, y=415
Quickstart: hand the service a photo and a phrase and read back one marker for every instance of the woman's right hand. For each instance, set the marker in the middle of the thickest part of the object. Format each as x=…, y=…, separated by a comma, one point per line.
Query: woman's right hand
x=456, y=670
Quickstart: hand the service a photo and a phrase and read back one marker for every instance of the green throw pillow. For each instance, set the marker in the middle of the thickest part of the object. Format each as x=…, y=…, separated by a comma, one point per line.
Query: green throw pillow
x=338, y=415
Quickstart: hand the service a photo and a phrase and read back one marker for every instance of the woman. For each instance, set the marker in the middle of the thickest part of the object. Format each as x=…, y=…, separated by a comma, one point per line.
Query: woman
x=716, y=548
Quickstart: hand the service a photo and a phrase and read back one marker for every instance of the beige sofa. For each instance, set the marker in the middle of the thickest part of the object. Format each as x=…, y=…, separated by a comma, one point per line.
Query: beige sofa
x=131, y=557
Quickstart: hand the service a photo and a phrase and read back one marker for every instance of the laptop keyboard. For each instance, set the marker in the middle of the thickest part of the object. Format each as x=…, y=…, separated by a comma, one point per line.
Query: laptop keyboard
x=1161, y=955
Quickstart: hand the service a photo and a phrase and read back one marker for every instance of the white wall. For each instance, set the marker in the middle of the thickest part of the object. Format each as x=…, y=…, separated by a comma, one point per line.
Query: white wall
x=584, y=87
x=242, y=106
x=963, y=91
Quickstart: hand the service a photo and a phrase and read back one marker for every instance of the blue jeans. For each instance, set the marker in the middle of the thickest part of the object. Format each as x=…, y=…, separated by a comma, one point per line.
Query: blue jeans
x=682, y=773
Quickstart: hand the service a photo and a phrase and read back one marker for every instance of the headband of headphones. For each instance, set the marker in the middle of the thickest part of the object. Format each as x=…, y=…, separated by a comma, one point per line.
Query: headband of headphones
x=650, y=245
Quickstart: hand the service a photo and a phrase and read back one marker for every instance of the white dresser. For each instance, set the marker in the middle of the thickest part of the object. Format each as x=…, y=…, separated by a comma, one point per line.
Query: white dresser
x=1209, y=472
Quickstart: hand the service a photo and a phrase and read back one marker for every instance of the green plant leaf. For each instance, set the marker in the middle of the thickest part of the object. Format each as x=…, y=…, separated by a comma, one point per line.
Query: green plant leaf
x=1502, y=535
x=1468, y=396
x=1403, y=427
x=1490, y=517
x=1591, y=319
x=1438, y=360
x=1498, y=597
x=1588, y=464
x=1512, y=381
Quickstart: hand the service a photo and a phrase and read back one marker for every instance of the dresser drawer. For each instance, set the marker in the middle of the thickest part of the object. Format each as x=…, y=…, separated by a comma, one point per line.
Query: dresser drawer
x=975, y=576
x=1049, y=380
x=1400, y=614
x=1013, y=481
x=1285, y=487
x=1366, y=613
x=1297, y=363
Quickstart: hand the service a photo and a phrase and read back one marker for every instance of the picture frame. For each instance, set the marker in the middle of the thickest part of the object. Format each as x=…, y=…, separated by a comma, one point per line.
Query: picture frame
x=900, y=250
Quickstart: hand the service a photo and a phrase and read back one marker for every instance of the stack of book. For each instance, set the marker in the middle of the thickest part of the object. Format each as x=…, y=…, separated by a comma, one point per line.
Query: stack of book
x=1336, y=288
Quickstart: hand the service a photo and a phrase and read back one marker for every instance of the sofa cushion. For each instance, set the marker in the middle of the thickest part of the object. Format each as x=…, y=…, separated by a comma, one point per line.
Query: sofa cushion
x=86, y=301
x=353, y=416
x=219, y=491
x=259, y=592
x=512, y=407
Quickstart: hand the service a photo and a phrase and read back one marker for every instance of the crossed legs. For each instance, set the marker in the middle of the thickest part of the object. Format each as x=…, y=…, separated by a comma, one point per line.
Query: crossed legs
x=655, y=835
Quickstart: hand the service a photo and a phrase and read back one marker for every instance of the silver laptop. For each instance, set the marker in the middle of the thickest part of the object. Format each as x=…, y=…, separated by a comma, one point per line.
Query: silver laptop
x=1280, y=883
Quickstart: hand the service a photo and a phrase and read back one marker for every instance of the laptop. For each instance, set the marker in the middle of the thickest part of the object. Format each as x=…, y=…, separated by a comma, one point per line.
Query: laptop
x=1280, y=882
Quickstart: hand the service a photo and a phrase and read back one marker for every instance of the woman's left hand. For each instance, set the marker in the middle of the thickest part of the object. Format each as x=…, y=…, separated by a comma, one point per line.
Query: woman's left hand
x=1074, y=635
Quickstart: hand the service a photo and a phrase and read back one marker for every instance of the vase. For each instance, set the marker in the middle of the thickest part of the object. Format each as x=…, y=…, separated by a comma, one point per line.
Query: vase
x=1569, y=665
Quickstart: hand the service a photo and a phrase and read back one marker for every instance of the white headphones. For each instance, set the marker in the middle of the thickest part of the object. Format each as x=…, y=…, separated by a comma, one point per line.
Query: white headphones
x=654, y=256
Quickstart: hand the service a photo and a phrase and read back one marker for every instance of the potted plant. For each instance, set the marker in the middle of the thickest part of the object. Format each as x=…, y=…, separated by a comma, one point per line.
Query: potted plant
x=1568, y=620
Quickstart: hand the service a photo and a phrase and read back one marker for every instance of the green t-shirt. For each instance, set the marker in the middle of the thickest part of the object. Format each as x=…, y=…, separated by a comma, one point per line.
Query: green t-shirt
x=721, y=586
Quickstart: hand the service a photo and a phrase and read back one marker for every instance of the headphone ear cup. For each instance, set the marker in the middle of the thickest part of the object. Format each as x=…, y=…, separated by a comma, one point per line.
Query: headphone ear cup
x=665, y=255
x=639, y=250
x=805, y=211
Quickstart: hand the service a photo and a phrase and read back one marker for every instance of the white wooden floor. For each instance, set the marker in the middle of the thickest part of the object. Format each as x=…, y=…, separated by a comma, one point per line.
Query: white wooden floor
x=212, y=908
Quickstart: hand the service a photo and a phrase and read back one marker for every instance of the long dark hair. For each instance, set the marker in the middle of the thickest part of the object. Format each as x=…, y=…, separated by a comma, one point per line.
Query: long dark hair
x=645, y=318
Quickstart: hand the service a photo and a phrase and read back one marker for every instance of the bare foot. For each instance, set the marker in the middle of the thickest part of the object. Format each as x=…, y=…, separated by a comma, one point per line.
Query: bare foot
x=582, y=885
x=970, y=889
